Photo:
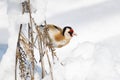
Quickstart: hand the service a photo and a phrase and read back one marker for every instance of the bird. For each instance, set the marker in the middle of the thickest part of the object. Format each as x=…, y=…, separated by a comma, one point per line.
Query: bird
x=58, y=36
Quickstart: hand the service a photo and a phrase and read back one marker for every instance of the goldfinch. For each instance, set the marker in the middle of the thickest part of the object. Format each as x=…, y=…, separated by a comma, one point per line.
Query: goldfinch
x=60, y=37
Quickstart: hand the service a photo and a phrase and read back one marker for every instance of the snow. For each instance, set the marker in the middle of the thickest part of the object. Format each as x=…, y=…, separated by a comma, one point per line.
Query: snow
x=94, y=54
x=64, y=6
x=93, y=61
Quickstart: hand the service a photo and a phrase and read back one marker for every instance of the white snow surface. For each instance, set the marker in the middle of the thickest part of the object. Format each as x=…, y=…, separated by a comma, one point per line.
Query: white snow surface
x=94, y=54
x=89, y=61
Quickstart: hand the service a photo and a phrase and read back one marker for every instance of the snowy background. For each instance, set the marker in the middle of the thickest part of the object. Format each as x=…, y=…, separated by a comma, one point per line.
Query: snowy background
x=94, y=54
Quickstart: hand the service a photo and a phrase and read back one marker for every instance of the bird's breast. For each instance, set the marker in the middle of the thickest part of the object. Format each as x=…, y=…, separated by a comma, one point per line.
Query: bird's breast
x=59, y=37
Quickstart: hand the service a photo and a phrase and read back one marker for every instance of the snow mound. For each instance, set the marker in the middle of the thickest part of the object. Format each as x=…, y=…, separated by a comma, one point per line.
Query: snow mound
x=91, y=61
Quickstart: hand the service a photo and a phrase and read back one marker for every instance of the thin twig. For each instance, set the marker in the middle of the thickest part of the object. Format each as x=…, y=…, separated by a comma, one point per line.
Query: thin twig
x=17, y=52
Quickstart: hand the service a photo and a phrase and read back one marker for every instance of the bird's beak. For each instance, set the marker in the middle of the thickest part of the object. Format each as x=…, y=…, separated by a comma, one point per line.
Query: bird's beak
x=74, y=34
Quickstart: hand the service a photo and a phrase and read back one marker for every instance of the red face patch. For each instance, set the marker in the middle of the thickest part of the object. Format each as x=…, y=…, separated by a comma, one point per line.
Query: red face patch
x=71, y=30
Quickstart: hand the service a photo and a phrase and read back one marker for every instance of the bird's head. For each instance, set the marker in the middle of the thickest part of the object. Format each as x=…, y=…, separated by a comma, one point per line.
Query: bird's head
x=68, y=32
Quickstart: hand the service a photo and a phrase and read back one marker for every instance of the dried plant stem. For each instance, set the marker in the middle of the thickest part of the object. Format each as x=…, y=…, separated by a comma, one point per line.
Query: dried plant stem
x=50, y=65
x=40, y=45
x=48, y=42
x=30, y=35
x=17, y=52
x=25, y=60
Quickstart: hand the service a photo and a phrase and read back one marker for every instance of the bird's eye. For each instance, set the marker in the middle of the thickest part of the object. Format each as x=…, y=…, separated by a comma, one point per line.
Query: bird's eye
x=69, y=32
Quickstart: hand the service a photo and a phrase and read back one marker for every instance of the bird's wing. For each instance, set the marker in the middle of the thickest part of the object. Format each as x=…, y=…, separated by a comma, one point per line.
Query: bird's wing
x=53, y=27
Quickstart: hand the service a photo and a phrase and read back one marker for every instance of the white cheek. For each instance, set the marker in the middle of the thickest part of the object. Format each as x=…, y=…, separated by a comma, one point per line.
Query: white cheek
x=67, y=35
